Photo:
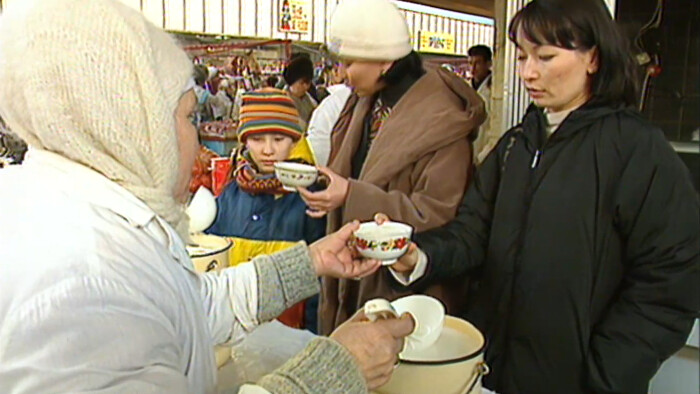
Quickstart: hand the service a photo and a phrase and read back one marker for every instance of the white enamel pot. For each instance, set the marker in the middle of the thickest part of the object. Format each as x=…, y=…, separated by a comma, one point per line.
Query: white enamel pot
x=453, y=365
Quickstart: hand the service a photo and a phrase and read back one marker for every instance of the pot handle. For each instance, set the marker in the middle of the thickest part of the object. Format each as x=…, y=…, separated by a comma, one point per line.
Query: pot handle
x=212, y=266
x=480, y=370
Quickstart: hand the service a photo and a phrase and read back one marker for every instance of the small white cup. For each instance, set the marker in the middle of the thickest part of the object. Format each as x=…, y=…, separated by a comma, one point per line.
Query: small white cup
x=293, y=175
x=386, y=242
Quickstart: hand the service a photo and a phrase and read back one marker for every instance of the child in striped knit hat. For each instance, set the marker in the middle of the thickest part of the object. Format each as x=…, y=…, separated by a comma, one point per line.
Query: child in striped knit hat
x=255, y=212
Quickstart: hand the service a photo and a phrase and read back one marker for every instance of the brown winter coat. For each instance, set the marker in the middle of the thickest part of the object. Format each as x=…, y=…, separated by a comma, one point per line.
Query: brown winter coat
x=416, y=172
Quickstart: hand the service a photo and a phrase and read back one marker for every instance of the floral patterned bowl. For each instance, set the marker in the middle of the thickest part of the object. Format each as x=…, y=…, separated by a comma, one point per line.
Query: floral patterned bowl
x=386, y=242
x=293, y=175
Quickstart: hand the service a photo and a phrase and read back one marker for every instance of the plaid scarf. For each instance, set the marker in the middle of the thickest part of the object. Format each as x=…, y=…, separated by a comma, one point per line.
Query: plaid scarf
x=250, y=180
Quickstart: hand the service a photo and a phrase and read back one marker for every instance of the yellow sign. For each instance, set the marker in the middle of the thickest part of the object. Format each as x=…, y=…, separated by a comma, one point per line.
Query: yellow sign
x=436, y=42
x=294, y=16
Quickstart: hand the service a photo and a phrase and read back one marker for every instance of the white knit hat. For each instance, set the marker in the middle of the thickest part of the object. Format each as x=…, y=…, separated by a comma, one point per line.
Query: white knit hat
x=369, y=30
x=95, y=82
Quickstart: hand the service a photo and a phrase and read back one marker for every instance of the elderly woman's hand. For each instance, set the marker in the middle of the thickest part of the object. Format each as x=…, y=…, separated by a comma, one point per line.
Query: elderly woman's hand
x=333, y=255
x=375, y=346
x=320, y=203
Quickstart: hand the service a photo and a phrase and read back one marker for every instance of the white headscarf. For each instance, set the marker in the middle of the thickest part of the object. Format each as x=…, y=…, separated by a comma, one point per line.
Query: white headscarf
x=95, y=82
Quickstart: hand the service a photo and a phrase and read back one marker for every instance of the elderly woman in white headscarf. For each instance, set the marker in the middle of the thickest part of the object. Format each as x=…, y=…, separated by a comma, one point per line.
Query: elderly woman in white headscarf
x=97, y=291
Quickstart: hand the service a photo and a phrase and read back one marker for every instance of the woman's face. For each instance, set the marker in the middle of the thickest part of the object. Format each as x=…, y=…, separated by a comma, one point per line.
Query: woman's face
x=339, y=75
x=187, y=143
x=557, y=79
x=363, y=76
x=266, y=149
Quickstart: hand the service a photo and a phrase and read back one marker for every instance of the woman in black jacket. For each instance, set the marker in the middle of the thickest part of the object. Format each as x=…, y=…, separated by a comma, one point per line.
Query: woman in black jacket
x=583, y=221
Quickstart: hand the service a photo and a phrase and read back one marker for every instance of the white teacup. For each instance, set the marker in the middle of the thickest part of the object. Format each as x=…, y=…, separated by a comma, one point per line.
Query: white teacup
x=293, y=175
x=386, y=242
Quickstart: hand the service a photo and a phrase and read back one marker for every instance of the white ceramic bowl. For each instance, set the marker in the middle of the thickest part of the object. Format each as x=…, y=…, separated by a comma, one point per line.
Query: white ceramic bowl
x=201, y=210
x=293, y=175
x=429, y=316
x=386, y=242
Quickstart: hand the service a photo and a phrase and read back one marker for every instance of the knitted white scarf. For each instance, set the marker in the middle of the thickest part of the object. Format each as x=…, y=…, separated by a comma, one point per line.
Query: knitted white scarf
x=95, y=82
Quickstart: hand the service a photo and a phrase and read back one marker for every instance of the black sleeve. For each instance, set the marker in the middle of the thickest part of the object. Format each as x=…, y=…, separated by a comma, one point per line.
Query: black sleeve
x=314, y=229
x=658, y=217
x=460, y=245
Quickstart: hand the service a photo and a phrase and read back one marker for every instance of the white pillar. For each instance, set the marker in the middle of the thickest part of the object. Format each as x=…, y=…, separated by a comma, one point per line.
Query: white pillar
x=611, y=4
x=508, y=98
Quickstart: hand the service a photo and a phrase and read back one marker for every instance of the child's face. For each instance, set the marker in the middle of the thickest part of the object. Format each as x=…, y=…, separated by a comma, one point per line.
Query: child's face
x=266, y=149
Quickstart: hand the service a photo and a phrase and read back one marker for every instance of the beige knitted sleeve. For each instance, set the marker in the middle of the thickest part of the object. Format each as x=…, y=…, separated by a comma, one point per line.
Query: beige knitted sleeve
x=324, y=366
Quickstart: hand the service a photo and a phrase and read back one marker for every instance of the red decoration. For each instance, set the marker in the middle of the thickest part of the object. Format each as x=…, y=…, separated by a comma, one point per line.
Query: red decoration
x=654, y=70
x=201, y=171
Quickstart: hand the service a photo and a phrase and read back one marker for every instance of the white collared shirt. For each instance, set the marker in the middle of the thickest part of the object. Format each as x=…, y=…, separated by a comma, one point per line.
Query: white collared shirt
x=98, y=294
x=408, y=278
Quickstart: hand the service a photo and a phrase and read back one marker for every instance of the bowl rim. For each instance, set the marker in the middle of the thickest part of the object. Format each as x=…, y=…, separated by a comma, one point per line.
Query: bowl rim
x=400, y=230
x=479, y=351
x=295, y=167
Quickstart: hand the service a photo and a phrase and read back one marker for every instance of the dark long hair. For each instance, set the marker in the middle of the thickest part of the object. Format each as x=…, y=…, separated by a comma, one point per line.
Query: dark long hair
x=583, y=25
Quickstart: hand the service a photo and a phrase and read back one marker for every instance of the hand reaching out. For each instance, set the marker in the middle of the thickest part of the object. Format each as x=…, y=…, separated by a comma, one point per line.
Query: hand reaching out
x=332, y=255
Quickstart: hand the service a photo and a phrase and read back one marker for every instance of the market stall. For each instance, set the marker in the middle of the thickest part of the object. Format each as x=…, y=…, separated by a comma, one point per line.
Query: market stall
x=233, y=66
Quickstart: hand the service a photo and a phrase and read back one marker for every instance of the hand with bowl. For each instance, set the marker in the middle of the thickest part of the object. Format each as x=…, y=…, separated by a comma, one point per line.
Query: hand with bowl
x=374, y=345
x=295, y=175
x=332, y=256
x=428, y=316
x=408, y=260
x=322, y=202
x=386, y=242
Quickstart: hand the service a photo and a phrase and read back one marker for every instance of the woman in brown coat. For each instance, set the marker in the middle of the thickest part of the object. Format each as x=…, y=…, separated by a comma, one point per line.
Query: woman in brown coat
x=403, y=147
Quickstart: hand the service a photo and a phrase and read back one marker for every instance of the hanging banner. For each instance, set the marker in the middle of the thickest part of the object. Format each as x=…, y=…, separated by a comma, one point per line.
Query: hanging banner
x=295, y=16
x=436, y=42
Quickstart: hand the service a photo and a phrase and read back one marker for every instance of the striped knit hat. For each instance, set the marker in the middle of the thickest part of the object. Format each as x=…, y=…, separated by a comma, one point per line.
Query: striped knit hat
x=268, y=111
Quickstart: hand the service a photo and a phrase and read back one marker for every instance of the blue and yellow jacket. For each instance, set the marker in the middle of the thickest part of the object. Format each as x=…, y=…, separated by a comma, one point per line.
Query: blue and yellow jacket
x=265, y=223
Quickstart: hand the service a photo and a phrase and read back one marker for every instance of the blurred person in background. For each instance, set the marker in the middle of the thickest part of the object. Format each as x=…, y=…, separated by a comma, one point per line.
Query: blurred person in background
x=480, y=64
x=221, y=103
x=272, y=81
x=327, y=113
x=298, y=76
x=203, y=112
